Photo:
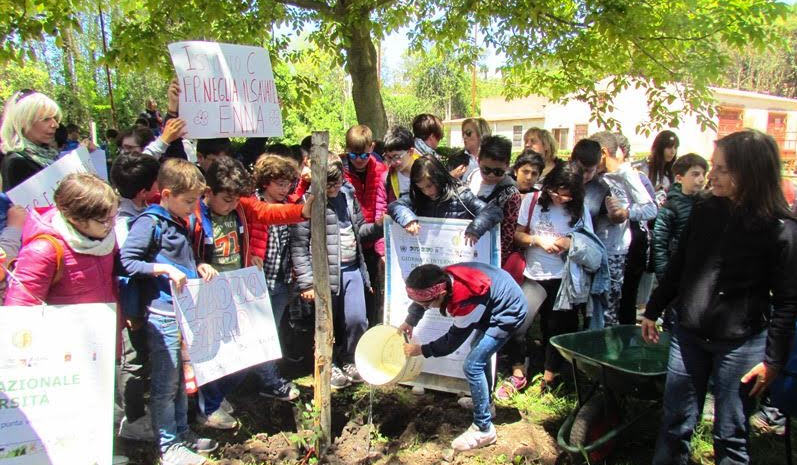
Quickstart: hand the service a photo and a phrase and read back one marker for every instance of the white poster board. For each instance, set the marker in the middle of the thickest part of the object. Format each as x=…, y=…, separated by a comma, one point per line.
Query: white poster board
x=37, y=191
x=227, y=323
x=100, y=163
x=57, y=384
x=440, y=241
x=226, y=90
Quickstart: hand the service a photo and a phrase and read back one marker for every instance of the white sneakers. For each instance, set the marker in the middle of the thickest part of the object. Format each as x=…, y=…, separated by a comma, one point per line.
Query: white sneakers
x=219, y=419
x=474, y=438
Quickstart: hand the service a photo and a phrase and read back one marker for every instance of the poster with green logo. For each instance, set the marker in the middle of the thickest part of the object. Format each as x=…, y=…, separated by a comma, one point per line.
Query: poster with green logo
x=56, y=384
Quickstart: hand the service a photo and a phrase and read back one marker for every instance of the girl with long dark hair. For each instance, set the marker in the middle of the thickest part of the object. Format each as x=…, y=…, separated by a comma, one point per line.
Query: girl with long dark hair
x=543, y=231
x=435, y=193
x=731, y=286
x=662, y=156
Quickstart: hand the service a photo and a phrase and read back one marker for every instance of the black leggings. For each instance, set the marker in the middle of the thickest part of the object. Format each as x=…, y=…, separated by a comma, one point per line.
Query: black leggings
x=554, y=322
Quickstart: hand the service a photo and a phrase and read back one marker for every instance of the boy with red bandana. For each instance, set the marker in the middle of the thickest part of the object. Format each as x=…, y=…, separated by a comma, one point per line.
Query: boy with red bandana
x=477, y=296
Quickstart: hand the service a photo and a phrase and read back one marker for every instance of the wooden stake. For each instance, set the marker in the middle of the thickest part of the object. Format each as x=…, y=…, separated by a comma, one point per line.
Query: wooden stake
x=323, y=299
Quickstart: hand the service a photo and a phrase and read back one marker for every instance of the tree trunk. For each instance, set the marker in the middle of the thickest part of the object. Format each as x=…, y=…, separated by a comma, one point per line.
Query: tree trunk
x=361, y=64
x=324, y=336
x=68, y=59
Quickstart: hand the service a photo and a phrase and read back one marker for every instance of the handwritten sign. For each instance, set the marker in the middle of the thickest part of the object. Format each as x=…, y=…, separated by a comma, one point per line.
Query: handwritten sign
x=226, y=90
x=227, y=323
x=56, y=369
x=440, y=242
x=37, y=191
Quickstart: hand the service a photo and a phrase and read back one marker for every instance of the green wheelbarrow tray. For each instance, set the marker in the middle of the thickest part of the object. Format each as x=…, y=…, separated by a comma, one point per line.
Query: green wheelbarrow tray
x=620, y=362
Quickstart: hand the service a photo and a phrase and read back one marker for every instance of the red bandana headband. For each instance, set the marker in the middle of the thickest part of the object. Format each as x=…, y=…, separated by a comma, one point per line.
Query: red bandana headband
x=425, y=295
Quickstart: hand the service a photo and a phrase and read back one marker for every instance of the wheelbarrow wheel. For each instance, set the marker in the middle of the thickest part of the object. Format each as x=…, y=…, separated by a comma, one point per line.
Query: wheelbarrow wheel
x=596, y=418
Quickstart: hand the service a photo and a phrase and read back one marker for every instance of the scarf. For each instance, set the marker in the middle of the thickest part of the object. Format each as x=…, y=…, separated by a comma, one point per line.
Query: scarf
x=424, y=148
x=43, y=155
x=80, y=243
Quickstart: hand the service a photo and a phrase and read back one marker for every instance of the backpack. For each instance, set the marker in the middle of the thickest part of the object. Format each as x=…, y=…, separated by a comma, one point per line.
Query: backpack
x=131, y=288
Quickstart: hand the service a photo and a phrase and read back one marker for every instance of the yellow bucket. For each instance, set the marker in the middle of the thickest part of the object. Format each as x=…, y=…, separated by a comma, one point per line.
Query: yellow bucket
x=380, y=357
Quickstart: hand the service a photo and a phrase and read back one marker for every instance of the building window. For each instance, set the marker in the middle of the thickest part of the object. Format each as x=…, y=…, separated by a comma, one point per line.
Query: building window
x=580, y=132
x=517, y=136
x=730, y=121
x=560, y=136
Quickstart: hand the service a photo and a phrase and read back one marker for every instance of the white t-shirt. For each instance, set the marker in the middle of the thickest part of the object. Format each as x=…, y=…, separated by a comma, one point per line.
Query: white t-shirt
x=550, y=225
x=479, y=188
x=404, y=183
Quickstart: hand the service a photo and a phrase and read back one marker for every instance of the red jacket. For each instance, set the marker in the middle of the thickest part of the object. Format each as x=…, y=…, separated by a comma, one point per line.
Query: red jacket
x=253, y=215
x=372, y=196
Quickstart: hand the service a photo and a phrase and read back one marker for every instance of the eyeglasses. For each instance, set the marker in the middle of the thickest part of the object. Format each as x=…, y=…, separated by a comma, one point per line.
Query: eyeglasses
x=393, y=157
x=362, y=156
x=562, y=197
x=496, y=171
x=130, y=148
x=334, y=184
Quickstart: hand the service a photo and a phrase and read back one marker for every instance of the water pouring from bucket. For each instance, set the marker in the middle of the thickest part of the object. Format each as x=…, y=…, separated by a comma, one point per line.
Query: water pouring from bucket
x=380, y=358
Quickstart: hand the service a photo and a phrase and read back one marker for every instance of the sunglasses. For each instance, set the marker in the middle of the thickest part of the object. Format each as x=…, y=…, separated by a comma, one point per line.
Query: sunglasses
x=361, y=156
x=496, y=171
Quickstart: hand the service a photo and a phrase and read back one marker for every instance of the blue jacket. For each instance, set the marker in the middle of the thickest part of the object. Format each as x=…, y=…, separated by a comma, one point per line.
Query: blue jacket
x=174, y=249
x=482, y=297
x=5, y=204
x=461, y=205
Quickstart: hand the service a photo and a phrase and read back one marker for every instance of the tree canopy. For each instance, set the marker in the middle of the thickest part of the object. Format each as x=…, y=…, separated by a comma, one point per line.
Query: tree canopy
x=563, y=49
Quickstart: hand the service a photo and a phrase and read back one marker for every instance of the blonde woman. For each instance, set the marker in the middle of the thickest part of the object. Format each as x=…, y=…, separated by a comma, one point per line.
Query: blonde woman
x=542, y=142
x=473, y=131
x=28, y=134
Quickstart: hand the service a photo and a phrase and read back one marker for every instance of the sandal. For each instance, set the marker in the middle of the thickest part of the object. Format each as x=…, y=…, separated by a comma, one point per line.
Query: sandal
x=510, y=387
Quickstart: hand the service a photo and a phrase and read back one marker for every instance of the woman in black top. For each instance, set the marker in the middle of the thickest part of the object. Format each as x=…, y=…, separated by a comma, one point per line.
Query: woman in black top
x=731, y=285
x=30, y=120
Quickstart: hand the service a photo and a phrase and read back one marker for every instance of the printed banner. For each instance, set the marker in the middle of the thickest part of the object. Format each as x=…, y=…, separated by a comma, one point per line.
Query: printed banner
x=37, y=191
x=442, y=242
x=57, y=384
x=227, y=323
x=226, y=90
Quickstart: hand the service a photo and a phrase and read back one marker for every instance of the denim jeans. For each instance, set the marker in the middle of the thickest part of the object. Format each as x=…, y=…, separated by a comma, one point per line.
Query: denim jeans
x=269, y=373
x=478, y=373
x=693, y=362
x=168, y=402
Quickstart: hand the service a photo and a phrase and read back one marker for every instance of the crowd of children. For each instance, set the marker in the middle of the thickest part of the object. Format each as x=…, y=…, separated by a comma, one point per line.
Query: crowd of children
x=587, y=232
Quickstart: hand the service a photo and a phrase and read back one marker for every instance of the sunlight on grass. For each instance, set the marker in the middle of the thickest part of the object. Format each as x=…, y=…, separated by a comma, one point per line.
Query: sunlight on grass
x=537, y=406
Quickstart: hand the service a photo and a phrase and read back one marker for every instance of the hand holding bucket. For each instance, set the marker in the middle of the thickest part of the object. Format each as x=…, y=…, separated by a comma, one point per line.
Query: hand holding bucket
x=380, y=356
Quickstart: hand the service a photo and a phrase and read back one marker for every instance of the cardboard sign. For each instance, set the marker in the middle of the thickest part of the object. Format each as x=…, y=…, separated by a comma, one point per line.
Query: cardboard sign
x=442, y=242
x=57, y=384
x=227, y=323
x=37, y=191
x=226, y=90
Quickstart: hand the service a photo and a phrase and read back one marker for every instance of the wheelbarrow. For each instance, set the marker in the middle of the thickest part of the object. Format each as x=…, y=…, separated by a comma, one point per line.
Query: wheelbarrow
x=618, y=366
